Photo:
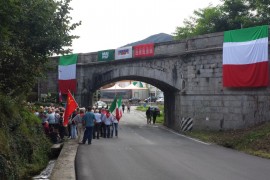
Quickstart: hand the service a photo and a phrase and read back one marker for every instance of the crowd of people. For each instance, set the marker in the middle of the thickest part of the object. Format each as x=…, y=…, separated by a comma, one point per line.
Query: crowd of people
x=83, y=125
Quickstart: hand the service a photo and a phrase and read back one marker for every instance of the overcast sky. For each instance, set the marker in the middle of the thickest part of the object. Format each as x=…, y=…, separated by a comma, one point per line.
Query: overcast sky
x=109, y=24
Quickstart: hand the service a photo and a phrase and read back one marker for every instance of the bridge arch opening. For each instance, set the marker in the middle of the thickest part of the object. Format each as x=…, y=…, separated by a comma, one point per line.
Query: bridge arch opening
x=168, y=92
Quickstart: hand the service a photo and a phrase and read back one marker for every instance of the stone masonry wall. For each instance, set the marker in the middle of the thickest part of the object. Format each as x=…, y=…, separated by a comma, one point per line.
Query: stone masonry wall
x=197, y=63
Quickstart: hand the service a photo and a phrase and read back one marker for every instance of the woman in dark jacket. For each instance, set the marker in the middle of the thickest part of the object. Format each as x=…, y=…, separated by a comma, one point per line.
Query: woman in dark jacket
x=148, y=115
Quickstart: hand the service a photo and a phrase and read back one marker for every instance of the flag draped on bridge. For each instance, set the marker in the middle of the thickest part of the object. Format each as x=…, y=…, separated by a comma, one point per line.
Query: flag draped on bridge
x=67, y=73
x=245, y=57
x=70, y=107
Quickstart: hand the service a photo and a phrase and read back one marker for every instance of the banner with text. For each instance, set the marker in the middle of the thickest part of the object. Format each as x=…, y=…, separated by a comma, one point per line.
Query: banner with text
x=123, y=53
x=106, y=55
x=144, y=50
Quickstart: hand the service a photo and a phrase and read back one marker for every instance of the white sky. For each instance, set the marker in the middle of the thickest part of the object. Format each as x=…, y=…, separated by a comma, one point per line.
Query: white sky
x=109, y=24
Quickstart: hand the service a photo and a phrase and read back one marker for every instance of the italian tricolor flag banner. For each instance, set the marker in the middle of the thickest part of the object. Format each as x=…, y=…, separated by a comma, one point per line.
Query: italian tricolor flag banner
x=245, y=57
x=119, y=111
x=116, y=107
x=67, y=73
x=113, y=105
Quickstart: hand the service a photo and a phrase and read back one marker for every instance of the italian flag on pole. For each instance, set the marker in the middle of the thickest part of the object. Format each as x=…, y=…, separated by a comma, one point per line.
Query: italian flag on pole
x=113, y=105
x=67, y=73
x=119, y=109
x=245, y=57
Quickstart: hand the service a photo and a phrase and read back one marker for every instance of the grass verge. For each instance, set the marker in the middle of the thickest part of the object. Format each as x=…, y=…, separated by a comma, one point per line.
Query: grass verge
x=254, y=140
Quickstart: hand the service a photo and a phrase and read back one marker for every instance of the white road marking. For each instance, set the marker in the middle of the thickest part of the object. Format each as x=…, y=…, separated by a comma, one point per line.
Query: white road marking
x=193, y=139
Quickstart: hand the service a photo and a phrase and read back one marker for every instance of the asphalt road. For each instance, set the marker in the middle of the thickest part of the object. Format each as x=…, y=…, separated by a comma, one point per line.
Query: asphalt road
x=148, y=152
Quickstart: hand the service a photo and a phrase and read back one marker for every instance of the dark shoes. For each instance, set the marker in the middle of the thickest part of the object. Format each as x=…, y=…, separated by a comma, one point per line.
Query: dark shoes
x=84, y=143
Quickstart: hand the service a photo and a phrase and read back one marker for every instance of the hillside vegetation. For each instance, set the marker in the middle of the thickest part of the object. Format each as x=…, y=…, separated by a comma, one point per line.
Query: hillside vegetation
x=24, y=149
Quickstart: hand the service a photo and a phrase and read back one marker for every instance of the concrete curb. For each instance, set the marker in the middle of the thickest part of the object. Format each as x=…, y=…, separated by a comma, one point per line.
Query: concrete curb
x=64, y=167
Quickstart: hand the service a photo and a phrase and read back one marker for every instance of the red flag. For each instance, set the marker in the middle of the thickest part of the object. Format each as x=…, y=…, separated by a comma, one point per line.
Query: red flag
x=70, y=107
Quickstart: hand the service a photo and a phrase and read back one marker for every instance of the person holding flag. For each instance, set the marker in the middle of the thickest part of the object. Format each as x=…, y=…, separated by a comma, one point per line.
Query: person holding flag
x=114, y=126
x=116, y=108
x=117, y=117
x=107, y=119
x=70, y=107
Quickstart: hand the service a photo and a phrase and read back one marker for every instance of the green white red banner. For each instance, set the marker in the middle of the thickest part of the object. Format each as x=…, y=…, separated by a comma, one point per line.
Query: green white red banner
x=67, y=73
x=245, y=57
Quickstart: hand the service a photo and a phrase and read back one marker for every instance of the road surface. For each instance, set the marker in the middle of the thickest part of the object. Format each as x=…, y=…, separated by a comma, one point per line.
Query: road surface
x=153, y=152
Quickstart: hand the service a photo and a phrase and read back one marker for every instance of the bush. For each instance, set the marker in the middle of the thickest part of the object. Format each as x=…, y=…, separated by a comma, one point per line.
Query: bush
x=24, y=149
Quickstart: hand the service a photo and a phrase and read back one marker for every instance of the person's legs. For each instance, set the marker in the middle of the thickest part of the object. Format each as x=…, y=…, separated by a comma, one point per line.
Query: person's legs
x=98, y=129
x=112, y=130
x=90, y=129
x=94, y=132
x=116, y=129
x=104, y=131
x=80, y=131
x=108, y=131
x=69, y=130
x=85, y=135
x=73, y=131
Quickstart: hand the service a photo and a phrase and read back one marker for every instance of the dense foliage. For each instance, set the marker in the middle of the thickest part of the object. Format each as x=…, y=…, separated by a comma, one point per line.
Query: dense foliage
x=24, y=148
x=232, y=14
x=30, y=32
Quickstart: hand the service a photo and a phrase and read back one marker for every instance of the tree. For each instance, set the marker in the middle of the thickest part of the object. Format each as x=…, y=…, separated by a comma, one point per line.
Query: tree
x=237, y=14
x=30, y=32
x=232, y=14
x=207, y=20
x=260, y=10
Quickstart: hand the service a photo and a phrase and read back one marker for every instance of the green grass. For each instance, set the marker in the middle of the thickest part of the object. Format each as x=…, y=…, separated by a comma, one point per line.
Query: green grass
x=254, y=140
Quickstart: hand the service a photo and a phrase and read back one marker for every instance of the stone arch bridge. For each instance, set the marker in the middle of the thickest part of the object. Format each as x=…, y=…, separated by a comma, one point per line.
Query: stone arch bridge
x=190, y=75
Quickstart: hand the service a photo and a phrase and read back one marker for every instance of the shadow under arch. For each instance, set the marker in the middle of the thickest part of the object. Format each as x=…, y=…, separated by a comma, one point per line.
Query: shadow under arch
x=169, y=92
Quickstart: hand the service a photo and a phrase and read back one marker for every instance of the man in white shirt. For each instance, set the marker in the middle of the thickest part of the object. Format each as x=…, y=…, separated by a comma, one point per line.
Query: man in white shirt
x=107, y=119
x=114, y=126
x=97, y=124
